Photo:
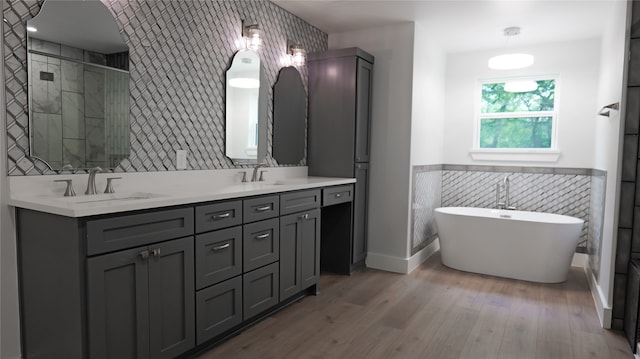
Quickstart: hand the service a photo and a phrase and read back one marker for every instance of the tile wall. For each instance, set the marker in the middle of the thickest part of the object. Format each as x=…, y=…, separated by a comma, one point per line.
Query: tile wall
x=179, y=53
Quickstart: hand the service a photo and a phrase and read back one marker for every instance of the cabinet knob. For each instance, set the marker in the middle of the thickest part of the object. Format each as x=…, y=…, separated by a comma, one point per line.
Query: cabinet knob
x=144, y=255
x=304, y=216
x=156, y=252
x=338, y=195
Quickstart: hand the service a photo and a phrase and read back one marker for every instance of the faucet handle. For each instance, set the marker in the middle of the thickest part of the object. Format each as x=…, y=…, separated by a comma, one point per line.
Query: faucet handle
x=244, y=176
x=69, y=192
x=262, y=175
x=109, y=188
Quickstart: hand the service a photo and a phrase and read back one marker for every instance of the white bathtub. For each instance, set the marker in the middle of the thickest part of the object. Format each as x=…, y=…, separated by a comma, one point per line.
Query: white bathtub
x=531, y=246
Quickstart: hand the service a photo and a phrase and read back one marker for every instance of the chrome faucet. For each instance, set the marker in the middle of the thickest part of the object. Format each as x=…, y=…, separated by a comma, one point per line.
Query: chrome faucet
x=506, y=203
x=91, y=185
x=254, y=177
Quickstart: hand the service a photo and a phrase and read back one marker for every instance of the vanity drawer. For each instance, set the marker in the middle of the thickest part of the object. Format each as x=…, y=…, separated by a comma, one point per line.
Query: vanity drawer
x=337, y=194
x=261, y=243
x=218, y=256
x=219, y=215
x=257, y=209
x=218, y=309
x=292, y=202
x=128, y=231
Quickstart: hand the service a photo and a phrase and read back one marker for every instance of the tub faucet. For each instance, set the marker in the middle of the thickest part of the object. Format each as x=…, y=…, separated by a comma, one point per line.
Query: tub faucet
x=91, y=185
x=254, y=177
x=506, y=203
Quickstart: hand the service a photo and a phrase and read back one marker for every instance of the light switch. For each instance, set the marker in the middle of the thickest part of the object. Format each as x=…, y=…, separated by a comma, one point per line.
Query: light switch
x=181, y=159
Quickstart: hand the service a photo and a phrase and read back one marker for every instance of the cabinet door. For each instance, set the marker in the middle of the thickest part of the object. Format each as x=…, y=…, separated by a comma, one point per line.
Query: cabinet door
x=260, y=290
x=363, y=109
x=289, y=255
x=359, y=250
x=218, y=308
x=171, y=298
x=118, y=300
x=309, y=249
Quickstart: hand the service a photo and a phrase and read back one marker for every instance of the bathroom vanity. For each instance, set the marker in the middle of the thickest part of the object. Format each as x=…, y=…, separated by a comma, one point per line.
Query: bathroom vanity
x=165, y=276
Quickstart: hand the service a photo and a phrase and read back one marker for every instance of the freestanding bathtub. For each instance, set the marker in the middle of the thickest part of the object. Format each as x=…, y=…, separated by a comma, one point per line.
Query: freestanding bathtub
x=531, y=246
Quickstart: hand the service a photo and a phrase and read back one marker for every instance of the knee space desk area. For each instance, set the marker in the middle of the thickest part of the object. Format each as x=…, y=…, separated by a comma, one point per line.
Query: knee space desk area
x=170, y=275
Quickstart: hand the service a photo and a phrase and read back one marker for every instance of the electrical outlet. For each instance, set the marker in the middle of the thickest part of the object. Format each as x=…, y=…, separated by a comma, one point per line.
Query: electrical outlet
x=181, y=159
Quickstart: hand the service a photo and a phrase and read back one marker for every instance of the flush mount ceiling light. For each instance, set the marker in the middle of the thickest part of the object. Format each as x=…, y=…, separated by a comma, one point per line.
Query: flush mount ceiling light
x=252, y=36
x=511, y=61
x=297, y=53
x=520, y=86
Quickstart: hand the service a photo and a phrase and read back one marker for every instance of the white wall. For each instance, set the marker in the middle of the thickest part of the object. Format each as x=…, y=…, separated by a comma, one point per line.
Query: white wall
x=9, y=317
x=607, y=143
x=427, y=119
x=392, y=46
x=577, y=64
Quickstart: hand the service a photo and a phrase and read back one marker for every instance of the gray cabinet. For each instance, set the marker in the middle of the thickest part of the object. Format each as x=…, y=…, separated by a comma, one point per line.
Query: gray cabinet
x=299, y=252
x=340, y=97
x=218, y=256
x=141, y=301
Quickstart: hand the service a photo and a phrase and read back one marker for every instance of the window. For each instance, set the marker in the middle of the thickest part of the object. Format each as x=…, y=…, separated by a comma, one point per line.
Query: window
x=517, y=120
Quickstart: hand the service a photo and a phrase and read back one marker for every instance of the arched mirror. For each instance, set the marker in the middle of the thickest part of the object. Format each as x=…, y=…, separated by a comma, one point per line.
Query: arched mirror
x=246, y=129
x=289, y=117
x=78, y=68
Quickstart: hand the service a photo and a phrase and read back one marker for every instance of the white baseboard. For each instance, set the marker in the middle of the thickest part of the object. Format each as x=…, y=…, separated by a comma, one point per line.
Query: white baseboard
x=401, y=265
x=580, y=260
x=605, y=313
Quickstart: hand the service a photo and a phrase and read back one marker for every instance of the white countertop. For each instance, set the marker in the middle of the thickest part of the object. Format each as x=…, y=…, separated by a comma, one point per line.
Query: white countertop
x=165, y=191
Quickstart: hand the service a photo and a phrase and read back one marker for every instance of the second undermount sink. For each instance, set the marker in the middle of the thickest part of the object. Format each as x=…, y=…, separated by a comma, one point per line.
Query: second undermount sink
x=109, y=197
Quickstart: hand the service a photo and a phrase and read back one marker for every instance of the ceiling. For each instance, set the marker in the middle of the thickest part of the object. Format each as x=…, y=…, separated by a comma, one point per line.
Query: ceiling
x=463, y=25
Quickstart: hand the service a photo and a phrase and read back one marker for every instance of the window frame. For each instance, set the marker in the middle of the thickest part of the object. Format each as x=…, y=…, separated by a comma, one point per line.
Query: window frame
x=551, y=154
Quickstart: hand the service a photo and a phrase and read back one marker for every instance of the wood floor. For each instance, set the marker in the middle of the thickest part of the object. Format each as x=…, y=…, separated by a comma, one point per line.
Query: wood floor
x=434, y=312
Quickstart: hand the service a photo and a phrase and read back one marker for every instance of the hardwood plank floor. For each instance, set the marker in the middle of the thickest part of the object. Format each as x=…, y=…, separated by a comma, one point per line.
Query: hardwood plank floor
x=434, y=312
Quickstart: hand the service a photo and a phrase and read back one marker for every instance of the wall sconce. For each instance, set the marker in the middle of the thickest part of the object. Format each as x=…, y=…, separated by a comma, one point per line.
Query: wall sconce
x=298, y=54
x=252, y=36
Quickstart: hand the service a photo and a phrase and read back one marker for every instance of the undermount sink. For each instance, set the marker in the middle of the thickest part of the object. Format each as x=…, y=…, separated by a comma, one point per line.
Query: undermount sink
x=108, y=197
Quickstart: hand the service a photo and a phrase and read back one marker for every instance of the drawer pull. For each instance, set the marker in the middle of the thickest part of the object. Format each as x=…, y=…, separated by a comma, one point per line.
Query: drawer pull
x=155, y=252
x=221, y=216
x=144, y=255
x=218, y=248
x=338, y=195
x=263, y=236
x=262, y=209
x=304, y=216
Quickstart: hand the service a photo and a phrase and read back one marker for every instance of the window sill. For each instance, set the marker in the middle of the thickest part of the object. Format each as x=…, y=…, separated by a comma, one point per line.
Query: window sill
x=515, y=155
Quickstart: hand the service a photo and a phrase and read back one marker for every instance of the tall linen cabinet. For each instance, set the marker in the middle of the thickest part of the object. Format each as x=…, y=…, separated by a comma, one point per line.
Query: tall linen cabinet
x=340, y=89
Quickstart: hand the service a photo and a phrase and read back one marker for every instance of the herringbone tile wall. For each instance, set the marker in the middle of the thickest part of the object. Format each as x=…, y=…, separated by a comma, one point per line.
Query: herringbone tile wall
x=180, y=51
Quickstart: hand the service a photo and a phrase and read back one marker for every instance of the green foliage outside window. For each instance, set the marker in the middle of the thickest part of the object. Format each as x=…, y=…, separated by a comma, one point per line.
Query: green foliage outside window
x=517, y=119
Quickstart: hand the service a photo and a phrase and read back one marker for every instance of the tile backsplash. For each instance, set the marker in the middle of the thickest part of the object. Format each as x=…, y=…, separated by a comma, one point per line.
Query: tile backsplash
x=179, y=53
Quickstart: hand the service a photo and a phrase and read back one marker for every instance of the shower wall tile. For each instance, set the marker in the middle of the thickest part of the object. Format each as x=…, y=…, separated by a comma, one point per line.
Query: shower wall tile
x=623, y=254
x=72, y=76
x=632, y=114
x=634, y=63
x=629, y=157
x=177, y=76
x=94, y=92
x=73, y=115
x=627, y=198
x=73, y=151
